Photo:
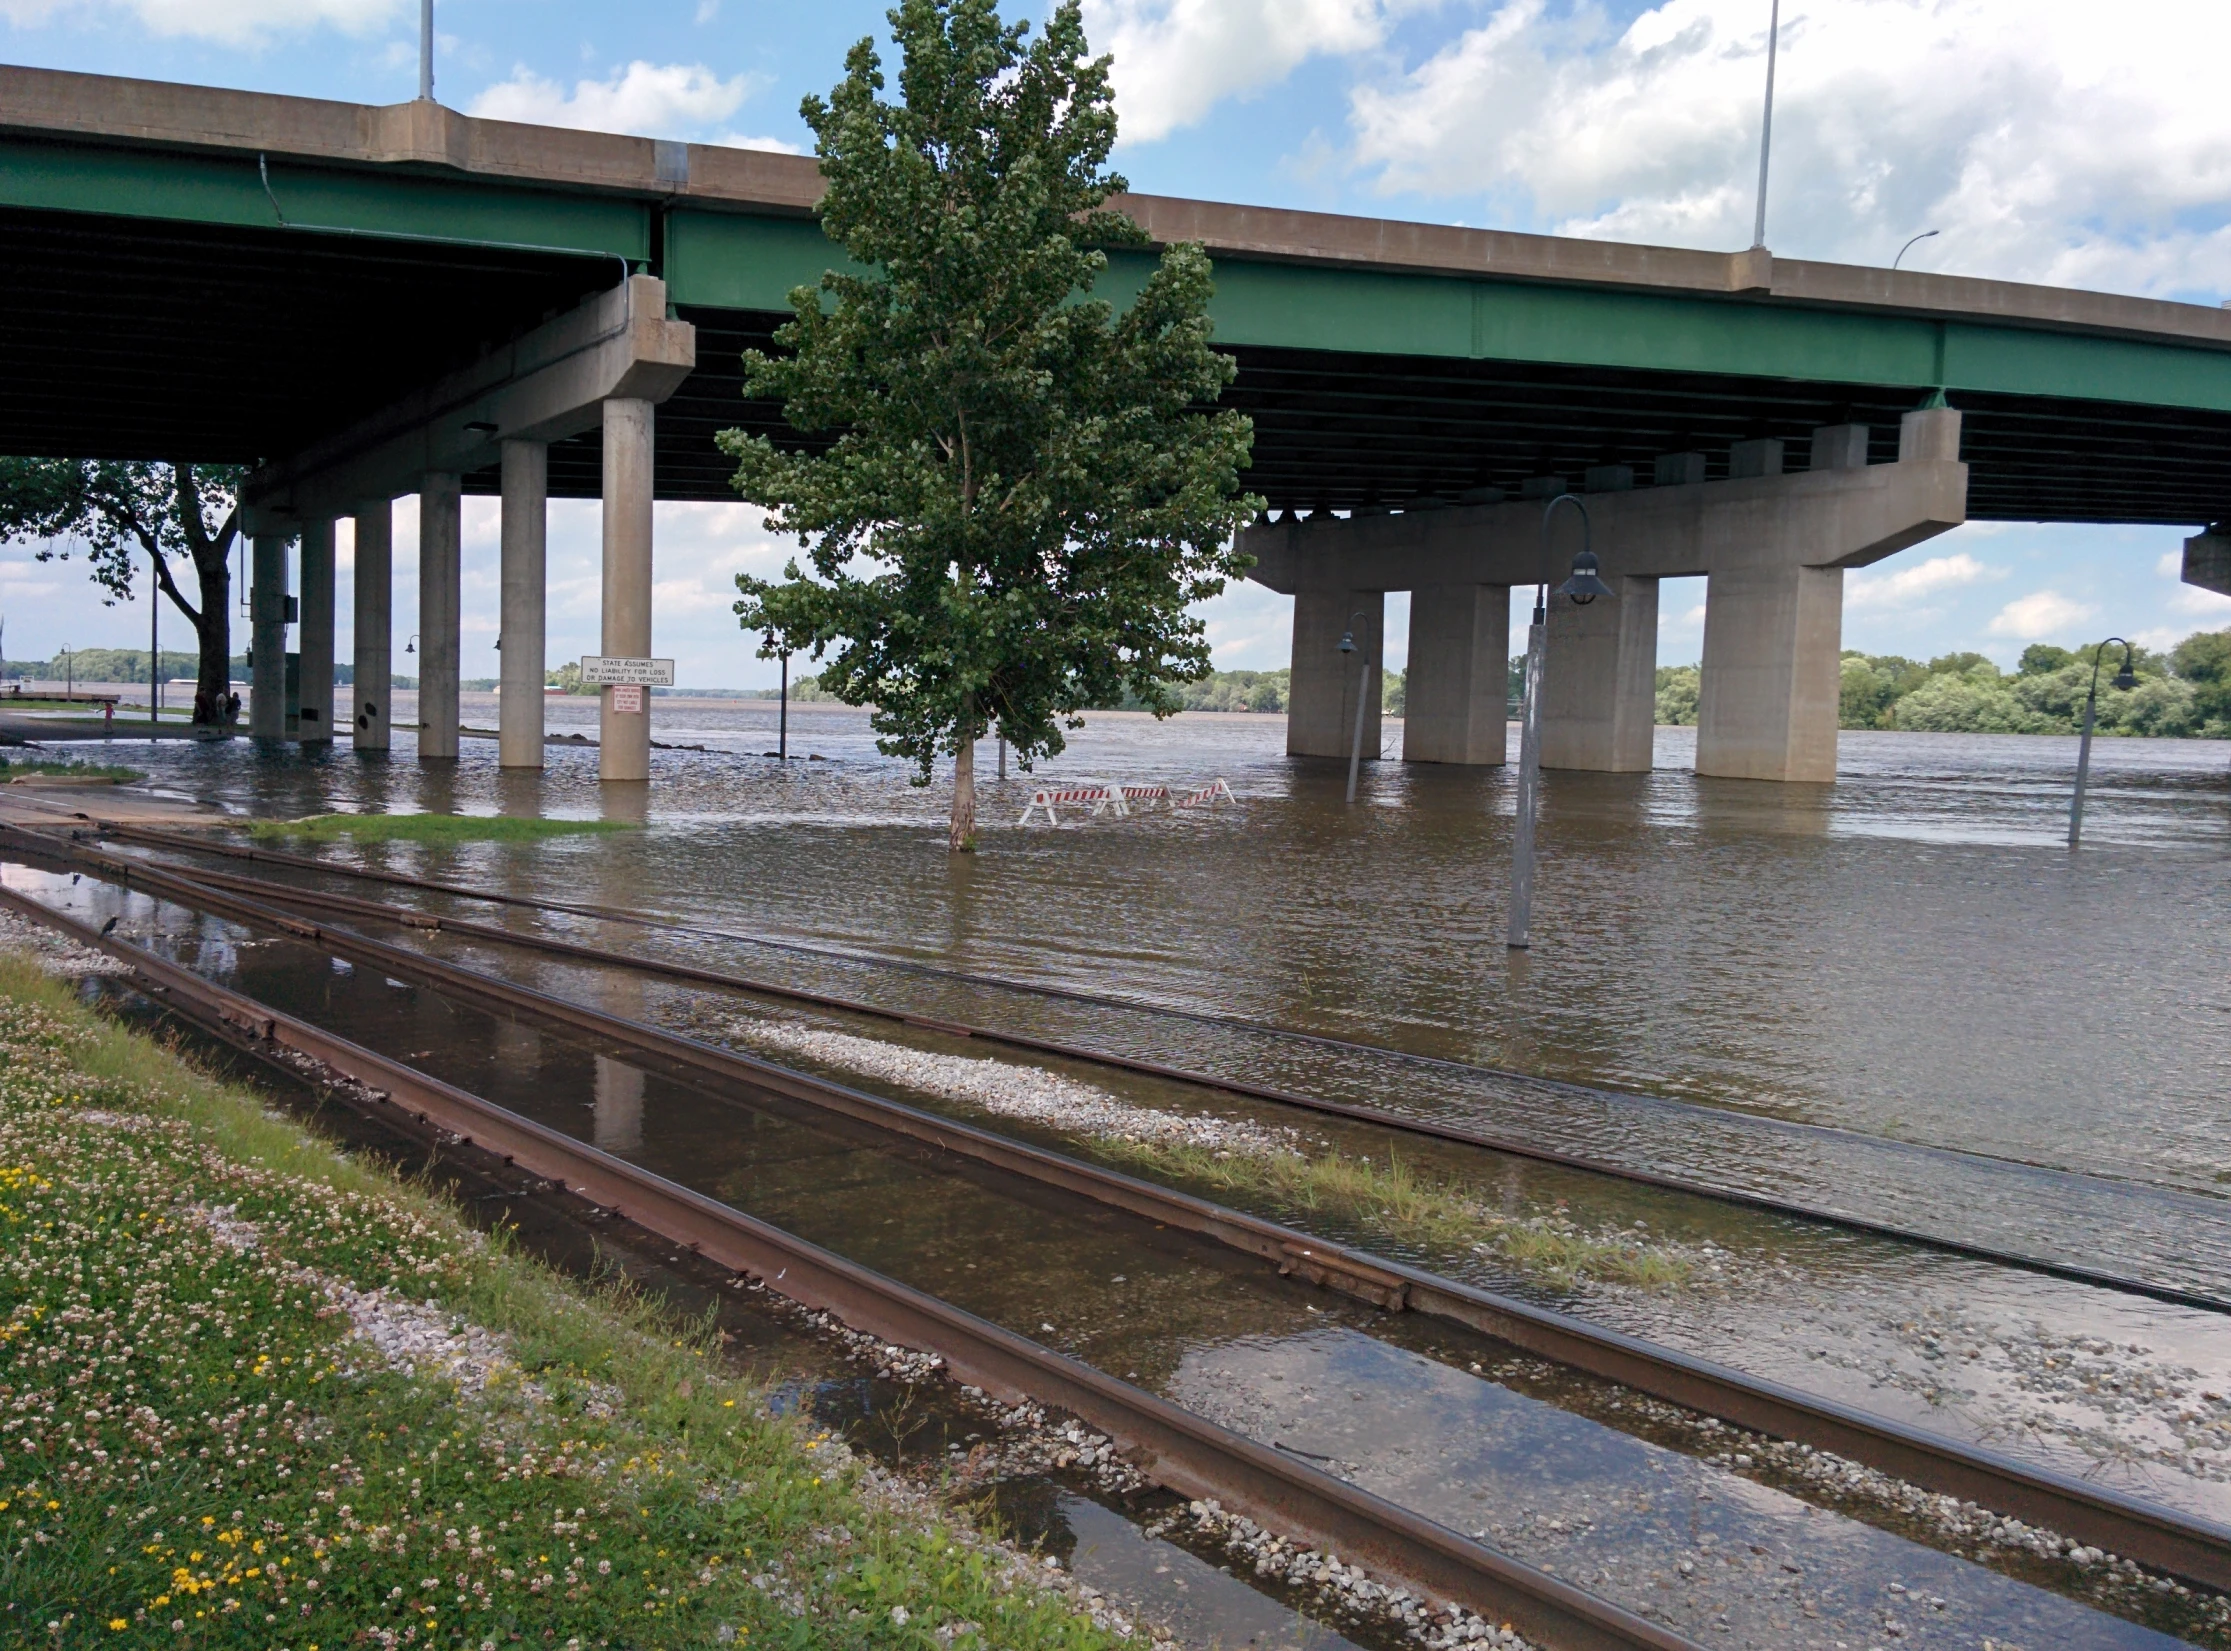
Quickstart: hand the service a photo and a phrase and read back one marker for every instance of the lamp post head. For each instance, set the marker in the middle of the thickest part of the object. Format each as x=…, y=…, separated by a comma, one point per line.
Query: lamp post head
x=2126, y=678
x=1347, y=642
x=1586, y=584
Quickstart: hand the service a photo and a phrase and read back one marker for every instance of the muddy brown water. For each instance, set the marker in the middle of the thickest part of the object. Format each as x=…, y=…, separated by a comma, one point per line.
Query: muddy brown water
x=1392, y=1403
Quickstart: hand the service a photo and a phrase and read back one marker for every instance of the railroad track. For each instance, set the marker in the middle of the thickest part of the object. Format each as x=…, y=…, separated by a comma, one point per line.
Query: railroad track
x=1184, y=1452
x=2196, y=1549
x=1379, y=1117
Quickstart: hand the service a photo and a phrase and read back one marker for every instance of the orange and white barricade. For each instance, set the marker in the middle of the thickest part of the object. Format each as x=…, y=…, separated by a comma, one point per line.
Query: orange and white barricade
x=1205, y=796
x=1100, y=798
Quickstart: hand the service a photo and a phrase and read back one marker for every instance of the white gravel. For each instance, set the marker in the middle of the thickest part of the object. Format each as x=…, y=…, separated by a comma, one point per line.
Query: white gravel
x=1028, y=1092
x=54, y=953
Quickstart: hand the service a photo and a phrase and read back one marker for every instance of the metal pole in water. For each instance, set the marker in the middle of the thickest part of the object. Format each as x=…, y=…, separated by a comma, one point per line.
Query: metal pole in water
x=1003, y=756
x=1355, y=747
x=1583, y=588
x=154, y=640
x=782, y=725
x=2125, y=679
x=1529, y=779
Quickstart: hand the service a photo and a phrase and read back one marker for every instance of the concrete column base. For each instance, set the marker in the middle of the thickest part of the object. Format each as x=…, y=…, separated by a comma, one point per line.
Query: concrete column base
x=267, y=634
x=526, y=527
x=314, y=718
x=1456, y=708
x=626, y=750
x=440, y=612
x=1600, y=680
x=374, y=623
x=1321, y=692
x=1772, y=683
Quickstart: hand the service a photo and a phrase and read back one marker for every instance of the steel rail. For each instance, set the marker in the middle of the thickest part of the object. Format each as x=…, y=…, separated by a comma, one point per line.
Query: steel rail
x=1187, y=1453
x=1379, y=1117
x=2189, y=1546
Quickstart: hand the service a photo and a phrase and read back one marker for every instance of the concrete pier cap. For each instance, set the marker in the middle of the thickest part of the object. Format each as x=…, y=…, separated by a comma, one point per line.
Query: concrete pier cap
x=1772, y=544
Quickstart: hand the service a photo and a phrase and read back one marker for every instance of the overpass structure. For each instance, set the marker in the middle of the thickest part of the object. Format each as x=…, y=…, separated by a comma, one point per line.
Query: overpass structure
x=367, y=302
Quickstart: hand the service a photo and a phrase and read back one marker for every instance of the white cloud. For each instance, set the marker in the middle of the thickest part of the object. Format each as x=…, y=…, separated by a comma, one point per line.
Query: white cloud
x=773, y=146
x=2050, y=140
x=231, y=22
x=2042, y=613
x=2206, y=603
x=1176, y=59
x=661, y=100
x=1907, y=585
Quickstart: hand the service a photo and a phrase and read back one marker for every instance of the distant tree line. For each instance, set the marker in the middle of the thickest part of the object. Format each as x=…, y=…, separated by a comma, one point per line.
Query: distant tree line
x=2184, y=693
x=129, y=665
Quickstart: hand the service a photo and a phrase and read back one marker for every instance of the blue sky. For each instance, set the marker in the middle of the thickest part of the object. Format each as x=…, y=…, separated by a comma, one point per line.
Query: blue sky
x=2050, y=140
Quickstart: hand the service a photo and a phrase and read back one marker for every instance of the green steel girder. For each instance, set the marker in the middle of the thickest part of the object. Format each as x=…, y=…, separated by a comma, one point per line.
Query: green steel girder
x=228, y=191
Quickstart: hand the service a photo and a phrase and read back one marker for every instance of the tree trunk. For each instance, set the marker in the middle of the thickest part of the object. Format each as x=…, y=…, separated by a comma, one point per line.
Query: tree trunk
x=213, y=634
x=962, y=837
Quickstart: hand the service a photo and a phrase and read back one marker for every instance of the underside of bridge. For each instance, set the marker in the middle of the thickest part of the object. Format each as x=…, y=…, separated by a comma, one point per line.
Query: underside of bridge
x=145, y=338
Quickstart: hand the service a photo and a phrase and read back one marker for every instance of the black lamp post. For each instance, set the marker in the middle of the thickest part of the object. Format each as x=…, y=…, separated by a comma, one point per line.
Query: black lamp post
x=1363, y=684
x=2125, y=679
x=1583, y=587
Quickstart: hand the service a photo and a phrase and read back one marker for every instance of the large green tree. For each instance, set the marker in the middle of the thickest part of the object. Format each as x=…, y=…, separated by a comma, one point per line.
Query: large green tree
x=132, y=520
x=1016, y=492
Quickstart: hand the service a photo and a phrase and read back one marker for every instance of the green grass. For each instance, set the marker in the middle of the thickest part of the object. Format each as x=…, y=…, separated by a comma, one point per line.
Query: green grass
x=13, y=769
x=428, y=828
x=1396, y=1202
x=199, y=1453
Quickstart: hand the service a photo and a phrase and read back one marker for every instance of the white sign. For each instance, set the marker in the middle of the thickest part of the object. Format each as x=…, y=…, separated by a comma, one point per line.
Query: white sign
x=641, y=673
x=627, y=698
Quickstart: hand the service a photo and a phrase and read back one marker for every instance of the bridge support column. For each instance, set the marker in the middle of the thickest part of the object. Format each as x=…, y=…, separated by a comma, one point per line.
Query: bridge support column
x=267, y=634
x=374, y=623
x=440, y=606
x=314, y=724
x=1600, y=680
x=626, y=750
x=1321, y=691
x=1771, y=688
x=1456, y=709
x=1771, y=681
x=526, y=521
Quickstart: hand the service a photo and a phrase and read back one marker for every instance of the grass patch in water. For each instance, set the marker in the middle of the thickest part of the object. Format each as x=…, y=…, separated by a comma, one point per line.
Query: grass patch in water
x=15, y=768
x=1392, y=1199
x=202, y=1451
x=428, y=828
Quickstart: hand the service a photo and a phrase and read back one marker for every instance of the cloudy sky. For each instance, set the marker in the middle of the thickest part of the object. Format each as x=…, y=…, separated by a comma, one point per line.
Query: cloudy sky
x=2047, y=140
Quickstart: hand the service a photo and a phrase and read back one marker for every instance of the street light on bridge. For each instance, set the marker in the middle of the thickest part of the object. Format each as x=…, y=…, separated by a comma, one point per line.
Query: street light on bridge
x=2125, y=679
x=1583, y=587
x=1363, y=687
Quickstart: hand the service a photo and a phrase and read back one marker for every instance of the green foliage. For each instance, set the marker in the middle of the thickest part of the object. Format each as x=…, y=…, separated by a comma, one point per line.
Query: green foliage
x=1678, y=688
x=428, y=828
x=1017, y=493
x=568, y=677
x=69, y=770
x=119, y=512
x=2181, y=695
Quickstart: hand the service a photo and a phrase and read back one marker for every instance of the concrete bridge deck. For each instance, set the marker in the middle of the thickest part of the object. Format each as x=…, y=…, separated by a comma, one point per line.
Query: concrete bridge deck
x=367, y=302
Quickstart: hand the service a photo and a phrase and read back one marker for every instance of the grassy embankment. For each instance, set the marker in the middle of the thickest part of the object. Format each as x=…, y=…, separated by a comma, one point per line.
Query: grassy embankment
x=435, y=829
x=17, y=768
x=253, y=1394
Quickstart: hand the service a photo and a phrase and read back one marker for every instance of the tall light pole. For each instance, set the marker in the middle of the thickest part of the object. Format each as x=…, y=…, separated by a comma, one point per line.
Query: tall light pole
x=154, y=638
x=1765, y=128
x=2125, y=679
x=1583, y=587
x=1910, y=245
x=426, y=50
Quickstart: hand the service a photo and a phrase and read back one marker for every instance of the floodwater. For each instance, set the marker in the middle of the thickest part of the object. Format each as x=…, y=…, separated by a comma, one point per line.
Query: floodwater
x=1391, y=1402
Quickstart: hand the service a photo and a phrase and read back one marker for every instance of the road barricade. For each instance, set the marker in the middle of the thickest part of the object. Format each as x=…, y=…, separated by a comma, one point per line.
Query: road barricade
x=1118, y=799
x=1101, y=798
